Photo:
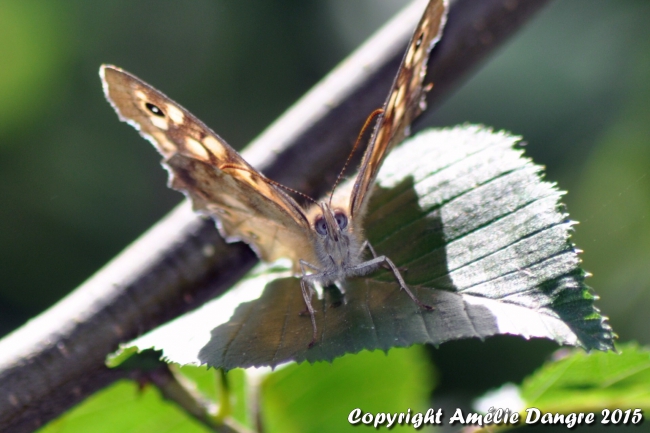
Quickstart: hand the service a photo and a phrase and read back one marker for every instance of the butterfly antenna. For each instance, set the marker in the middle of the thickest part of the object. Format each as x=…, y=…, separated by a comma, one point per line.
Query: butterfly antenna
x=369, y=120
x=266, y=179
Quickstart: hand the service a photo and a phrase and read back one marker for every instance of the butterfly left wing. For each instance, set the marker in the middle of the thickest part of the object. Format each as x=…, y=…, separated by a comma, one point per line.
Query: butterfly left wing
x=215, y=177
x=405, y=102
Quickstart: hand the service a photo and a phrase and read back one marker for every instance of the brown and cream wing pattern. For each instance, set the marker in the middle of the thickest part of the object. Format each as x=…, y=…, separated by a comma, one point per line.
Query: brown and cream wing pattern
x=210, y=172
x=405, y=102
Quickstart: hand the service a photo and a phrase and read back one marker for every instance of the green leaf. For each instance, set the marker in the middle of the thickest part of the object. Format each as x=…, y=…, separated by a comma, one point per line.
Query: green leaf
x=375, y=382
x=590, y=382
x=125, y=408
x=481, y=237
x=128, y=406
x=121, y=357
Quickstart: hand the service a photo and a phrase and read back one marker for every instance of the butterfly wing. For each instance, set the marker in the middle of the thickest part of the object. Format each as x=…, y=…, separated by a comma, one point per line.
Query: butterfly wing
x=405, y=102
x=210, y=172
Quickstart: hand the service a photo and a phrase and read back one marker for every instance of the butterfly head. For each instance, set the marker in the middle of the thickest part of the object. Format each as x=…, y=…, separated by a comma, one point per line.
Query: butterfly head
x=332, y=227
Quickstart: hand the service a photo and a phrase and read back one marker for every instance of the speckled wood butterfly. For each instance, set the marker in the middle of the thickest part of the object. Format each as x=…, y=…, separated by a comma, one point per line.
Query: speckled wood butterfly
x=326, y=241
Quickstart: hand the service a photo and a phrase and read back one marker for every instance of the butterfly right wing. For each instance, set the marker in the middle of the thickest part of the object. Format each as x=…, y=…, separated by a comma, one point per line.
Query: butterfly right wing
x=405, y=102
x=212, y=174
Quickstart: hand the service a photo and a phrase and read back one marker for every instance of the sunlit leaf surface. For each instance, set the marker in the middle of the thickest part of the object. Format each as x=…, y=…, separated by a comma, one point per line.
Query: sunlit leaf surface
x=479, y=236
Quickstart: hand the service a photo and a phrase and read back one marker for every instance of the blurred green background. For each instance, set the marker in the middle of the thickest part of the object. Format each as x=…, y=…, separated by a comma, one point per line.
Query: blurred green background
x=77, y=186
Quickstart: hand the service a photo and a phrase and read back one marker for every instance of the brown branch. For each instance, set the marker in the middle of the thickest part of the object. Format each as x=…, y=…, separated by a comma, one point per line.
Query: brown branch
x=57, y=359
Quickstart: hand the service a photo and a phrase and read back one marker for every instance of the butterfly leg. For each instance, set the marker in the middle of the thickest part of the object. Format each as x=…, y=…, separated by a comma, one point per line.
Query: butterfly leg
x=304, y=264
x=365, y=245
x=310, y=290
x=385, y=261
x=306, y=295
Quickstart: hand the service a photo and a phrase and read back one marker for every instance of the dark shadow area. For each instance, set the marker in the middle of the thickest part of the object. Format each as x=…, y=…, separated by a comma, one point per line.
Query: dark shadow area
x=372, y=313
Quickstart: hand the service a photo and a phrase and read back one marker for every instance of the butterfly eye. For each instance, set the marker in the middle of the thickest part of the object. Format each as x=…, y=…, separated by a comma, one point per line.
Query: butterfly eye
x=320, y=226
x=341, y=220
x=154, y=109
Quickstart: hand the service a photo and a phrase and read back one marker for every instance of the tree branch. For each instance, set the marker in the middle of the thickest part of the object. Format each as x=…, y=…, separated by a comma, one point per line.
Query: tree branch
x=57, y=359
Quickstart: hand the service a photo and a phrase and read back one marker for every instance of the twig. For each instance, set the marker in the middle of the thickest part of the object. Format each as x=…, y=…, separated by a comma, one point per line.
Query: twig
x=176, y=388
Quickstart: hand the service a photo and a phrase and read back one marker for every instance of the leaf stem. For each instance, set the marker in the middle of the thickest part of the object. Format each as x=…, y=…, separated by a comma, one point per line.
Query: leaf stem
x=175, y=387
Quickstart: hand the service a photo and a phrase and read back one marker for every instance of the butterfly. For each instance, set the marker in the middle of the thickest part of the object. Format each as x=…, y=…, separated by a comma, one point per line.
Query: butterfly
x=325, y=241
